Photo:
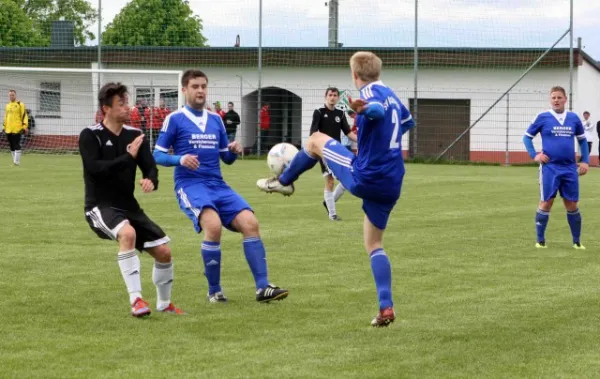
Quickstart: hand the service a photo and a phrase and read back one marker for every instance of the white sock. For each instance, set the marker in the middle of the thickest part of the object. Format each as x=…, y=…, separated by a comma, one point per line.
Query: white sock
x=162, y=276
x=338, y=192
x=12, y=153
x=328, y=195
x=129, y=263
x=18, y=157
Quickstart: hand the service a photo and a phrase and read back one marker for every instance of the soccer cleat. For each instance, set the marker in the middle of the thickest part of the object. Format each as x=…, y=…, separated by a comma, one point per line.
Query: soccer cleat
x=140, y=308
x=217, y=297
x=273, y=185
x=271, y=292
x=578, y=246
x=172, y=309
x=384, y=318
x=541, y=245
x=335, y=218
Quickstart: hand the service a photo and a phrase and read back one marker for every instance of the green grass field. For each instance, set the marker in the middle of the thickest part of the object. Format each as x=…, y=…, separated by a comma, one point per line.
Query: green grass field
x=473, y=296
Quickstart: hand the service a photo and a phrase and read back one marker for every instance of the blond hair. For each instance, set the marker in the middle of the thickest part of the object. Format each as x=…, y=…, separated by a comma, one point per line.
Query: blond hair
x=366, y=65
x=558, y=89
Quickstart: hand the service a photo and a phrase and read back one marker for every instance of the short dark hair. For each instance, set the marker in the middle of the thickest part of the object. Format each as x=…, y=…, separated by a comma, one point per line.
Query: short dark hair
x=586, y=112
x=230, y=103
x=12, y=90
x=192, y=74
x=109, y=91
x=332, y=89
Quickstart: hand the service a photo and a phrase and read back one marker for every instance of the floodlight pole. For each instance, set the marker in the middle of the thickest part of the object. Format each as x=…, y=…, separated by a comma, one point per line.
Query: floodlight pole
x=99, y=42
x=414, y=112
x=571, y=56
x=259, y=97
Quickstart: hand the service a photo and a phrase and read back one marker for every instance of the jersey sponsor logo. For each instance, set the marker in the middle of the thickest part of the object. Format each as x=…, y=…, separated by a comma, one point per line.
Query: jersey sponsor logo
x=562, y=131
x=203, y=141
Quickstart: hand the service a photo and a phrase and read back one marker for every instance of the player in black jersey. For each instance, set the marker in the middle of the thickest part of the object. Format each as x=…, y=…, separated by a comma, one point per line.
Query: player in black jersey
x=111, y=153
x=332, y=122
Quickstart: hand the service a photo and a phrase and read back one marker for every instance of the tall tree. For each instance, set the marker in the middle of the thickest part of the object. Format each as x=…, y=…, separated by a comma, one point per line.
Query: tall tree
x=44, y=12
x=16, y=29
x=155, y=23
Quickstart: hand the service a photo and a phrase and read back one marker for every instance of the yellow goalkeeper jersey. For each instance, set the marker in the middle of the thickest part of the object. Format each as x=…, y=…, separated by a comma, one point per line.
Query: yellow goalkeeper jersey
x=15, y=117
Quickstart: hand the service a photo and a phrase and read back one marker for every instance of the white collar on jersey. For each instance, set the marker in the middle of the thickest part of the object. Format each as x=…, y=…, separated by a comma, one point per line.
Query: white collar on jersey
x=199, y=121
x=560, y=117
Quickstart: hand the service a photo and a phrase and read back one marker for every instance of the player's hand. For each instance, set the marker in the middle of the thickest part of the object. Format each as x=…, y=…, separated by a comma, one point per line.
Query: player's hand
x=190, y=161
x=541, y=158
x=25, y=130
x=134, y=147
x=357, y=105
x=583, y=168
x=235, y=147
x=147, y=185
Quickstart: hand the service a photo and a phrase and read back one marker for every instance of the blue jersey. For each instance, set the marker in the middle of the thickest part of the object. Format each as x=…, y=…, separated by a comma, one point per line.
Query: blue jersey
x=198, y=133
x=557, y=132
x=380, y=140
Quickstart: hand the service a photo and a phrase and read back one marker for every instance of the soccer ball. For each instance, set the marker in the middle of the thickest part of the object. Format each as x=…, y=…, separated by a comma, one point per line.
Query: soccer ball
x=280, y=157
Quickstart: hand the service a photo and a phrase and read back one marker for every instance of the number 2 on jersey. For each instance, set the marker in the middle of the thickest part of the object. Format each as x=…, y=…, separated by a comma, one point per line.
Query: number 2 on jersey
x=395, y=143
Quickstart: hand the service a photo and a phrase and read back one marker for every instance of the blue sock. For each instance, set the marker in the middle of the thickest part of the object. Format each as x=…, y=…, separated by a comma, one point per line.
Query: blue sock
x=211, y=255
x=303, y=161
x=574, y=219
x=254, y=250
x=541, y=221
x=382, y=272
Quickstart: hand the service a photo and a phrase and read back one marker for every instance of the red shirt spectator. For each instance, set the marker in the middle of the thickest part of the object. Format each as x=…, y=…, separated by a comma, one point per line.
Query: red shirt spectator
x=154, y=120
x=265, y=117
x=135, y=118
x=219, y=110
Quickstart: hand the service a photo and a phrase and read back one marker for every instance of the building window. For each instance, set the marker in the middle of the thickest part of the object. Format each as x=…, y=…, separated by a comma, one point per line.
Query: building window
x=170, y=97
x=145, y=96
x=49, y=99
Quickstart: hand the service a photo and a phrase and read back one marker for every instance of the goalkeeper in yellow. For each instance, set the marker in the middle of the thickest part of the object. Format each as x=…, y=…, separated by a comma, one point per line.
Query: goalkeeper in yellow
x=15, y=123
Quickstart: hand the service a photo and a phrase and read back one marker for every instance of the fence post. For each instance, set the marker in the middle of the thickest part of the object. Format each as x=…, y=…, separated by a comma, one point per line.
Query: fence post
x=507, y=161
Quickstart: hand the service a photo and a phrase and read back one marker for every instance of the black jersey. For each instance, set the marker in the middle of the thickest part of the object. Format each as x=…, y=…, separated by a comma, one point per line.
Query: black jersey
x=330, y=122
x=109, y=170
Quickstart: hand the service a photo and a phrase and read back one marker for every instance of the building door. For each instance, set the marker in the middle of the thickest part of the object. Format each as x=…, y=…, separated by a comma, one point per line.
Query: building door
x=439, y=123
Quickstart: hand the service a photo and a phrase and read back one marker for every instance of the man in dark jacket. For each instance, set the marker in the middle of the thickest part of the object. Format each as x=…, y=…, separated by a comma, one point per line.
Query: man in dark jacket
x=231, y=120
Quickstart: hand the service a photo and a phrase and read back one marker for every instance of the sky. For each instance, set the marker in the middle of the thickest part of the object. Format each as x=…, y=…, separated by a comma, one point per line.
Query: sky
x=390, y=23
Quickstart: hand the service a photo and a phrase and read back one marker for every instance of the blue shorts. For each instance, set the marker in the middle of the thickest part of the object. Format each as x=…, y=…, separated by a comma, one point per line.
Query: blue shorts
x=196, y=196
x=557, y=178
x=377, y=208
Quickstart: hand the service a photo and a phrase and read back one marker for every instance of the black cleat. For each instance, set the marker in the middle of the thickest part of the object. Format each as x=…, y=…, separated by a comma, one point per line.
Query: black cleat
x=271, y=292
x=335, y=218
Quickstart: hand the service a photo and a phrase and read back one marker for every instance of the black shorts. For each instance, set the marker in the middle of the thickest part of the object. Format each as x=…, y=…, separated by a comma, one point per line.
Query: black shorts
x=106, y=222
x=324, y=169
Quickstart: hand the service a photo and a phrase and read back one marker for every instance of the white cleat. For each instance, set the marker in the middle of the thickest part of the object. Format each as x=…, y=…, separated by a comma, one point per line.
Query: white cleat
x=273, y=185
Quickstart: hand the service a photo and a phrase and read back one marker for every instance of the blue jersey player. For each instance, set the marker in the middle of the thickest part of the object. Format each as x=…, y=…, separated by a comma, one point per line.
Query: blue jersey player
x=374, y=175
x=199, y=141
x=558, y=168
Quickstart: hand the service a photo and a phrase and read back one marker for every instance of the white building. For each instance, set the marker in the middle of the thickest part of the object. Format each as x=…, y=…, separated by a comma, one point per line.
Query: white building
x=455, y=88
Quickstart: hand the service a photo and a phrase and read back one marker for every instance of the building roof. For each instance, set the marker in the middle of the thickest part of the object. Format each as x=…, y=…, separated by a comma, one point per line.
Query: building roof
x=285, y=57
